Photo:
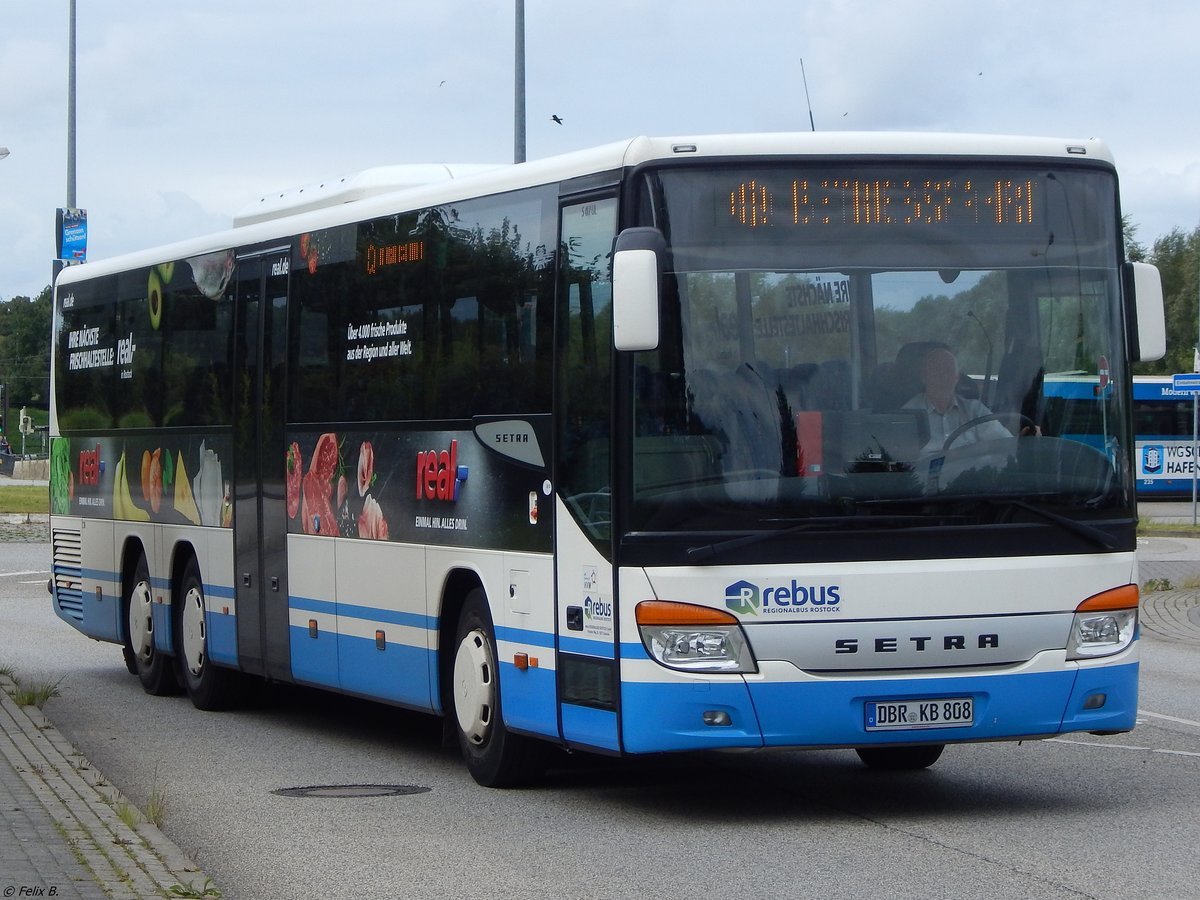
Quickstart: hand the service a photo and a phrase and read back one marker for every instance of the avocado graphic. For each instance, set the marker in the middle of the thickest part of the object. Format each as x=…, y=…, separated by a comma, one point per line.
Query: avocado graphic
x=166, y=270
x=155, y=299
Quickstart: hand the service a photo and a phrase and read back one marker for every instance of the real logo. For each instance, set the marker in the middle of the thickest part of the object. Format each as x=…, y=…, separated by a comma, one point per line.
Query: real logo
x=439, y=476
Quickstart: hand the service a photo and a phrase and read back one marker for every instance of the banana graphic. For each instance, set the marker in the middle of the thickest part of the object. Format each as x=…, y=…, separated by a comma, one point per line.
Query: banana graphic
x=123, y=505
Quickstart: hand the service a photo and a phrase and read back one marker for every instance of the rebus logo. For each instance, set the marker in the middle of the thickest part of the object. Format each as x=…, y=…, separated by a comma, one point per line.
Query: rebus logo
x=742, y=597
x=782, y=601
x=439, y=474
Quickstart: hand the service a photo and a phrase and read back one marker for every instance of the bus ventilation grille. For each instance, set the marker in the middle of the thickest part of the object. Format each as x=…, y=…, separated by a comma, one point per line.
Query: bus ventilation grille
x=68, y=572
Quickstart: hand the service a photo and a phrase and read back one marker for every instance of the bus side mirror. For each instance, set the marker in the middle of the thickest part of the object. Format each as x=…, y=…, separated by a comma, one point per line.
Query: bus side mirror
x=636, y=285
x=1151, y=333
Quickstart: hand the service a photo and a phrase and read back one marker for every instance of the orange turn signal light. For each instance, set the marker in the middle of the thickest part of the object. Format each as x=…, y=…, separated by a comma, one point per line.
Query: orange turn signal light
x=1124, y=597
x=669, y=612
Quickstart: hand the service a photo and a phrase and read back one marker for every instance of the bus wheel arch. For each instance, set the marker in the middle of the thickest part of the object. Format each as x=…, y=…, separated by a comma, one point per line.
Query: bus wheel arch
x=494, y=756
x=153, y=667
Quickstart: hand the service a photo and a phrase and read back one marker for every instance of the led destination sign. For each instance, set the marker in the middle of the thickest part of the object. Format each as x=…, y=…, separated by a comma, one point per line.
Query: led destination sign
x=887, y=199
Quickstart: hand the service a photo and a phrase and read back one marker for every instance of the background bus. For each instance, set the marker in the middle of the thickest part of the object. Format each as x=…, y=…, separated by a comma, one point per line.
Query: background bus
x=1162, y=424
x=626, y=451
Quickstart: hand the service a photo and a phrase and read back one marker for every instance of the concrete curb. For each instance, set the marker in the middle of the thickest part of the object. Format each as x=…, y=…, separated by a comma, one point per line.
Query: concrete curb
x=128, y=864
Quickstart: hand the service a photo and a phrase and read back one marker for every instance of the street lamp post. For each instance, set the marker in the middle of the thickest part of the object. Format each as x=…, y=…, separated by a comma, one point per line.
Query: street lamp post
x=71, y=108
x=519, y=86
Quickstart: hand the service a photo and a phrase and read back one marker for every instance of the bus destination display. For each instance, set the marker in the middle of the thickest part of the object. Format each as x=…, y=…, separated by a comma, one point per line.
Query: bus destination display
x=980, y=199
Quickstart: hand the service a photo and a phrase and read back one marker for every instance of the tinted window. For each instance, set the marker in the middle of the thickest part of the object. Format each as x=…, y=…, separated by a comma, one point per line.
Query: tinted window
x=439, y=314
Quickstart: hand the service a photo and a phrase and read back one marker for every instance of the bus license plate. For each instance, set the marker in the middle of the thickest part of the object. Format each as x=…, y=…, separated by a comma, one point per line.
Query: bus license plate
x=896, y=715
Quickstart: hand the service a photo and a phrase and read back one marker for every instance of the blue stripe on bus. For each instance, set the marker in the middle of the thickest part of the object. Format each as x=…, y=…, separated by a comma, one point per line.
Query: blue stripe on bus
x=590, y=727
x=525, y=636
x=632, y=650
x=309, y=604
x=663, y=717
x=529, y=700
x=405, y=674
x=586, y=648
x=222, y=638
x=399, y=672
x=390, y=616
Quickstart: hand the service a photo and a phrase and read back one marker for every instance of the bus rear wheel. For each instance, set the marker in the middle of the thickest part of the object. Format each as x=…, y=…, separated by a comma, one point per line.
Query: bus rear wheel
x=153, y=669
x=900, y=759
x=495, y=757
x=208, y=686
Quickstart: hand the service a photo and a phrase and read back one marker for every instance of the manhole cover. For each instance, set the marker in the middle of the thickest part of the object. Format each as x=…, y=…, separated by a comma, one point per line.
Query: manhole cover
x=352, y=790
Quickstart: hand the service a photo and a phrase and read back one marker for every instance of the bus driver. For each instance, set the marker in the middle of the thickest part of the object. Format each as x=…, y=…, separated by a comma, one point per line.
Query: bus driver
x=946, y=409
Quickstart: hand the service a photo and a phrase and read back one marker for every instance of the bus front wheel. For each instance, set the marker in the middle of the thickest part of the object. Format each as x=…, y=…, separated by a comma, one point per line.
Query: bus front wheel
x=152, y=668
x=495, y=757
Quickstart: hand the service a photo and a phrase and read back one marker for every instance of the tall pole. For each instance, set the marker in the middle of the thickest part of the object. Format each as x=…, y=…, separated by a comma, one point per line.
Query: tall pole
x=518, y=87
x=804, y=78
x=71, y=108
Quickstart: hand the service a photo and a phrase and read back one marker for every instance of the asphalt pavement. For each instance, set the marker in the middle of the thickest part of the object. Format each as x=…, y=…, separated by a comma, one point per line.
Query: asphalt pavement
x=69, y=833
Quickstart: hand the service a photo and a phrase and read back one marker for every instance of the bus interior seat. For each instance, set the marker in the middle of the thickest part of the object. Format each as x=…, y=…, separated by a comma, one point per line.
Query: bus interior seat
x=1019, y=383
x=829, y=387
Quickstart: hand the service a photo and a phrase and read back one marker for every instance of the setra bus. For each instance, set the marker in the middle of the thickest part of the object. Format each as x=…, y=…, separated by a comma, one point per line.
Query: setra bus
x=619, y=451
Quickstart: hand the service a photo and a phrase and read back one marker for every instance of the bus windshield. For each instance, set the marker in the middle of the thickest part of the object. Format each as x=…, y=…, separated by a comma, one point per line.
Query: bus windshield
x=811, y=312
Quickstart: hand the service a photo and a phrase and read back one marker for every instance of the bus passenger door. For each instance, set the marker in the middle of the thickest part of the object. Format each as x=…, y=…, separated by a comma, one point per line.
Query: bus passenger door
x=586, y=620
x=259, y=515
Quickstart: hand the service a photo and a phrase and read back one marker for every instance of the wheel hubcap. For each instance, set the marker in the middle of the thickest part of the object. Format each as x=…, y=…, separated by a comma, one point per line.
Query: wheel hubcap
x=474, y=686
x=193, y=630
x=141, y=623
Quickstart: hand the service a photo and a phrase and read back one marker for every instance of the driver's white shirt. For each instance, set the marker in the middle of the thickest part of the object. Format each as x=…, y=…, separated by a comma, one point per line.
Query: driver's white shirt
x=964, y=409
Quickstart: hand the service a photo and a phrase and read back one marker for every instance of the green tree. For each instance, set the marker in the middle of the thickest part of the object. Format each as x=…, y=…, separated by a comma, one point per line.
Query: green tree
x=25, y=349
x=1135, y=251
x=1177, y=256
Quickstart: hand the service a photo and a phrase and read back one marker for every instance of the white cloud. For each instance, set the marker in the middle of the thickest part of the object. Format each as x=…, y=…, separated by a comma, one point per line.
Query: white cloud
x=188, y=112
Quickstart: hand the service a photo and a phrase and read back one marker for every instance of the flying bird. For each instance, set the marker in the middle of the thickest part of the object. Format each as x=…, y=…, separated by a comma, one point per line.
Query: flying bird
x=556, y=120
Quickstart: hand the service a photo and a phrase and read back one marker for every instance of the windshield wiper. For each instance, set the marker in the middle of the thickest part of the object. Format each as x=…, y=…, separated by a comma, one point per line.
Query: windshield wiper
x=1096, y=535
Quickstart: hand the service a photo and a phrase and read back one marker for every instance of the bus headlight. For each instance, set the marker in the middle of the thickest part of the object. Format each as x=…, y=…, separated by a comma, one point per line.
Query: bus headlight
x=693, y=638
x=1104, y=624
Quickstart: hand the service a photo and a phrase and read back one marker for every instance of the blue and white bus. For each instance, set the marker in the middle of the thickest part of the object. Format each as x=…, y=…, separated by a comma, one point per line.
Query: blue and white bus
x=623, y=451
x=1162, y=425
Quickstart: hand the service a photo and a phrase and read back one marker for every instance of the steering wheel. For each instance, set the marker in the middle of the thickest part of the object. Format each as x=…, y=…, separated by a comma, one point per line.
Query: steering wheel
x=979, y=420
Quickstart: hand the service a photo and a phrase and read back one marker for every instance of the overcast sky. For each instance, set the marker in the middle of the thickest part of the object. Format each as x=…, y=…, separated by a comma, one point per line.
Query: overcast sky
x=189, y=111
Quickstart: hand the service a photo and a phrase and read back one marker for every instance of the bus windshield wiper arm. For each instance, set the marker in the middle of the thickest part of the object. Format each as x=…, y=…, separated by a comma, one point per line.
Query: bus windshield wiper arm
x=1090, y=532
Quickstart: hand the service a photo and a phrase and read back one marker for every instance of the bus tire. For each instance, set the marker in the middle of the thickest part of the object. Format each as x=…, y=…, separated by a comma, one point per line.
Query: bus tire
x=209, y=687
x=154, y=669
x=495, y=757
x=900, y=759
